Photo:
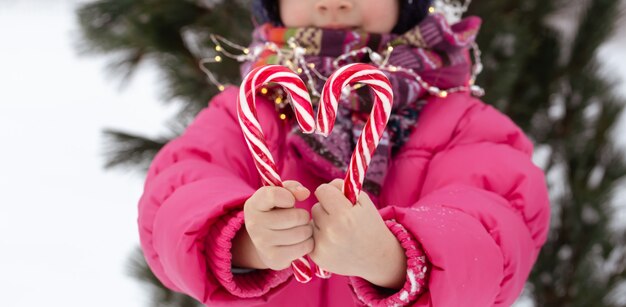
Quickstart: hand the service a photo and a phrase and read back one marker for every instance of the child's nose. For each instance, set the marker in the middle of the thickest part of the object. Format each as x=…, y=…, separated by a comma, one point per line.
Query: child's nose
x=333, y=6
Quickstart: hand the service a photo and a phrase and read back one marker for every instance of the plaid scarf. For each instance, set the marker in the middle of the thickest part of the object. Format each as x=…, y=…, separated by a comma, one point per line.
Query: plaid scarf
x=437, y=51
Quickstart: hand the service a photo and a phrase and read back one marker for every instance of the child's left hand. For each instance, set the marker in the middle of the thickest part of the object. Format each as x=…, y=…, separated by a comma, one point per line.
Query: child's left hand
x=353, y=240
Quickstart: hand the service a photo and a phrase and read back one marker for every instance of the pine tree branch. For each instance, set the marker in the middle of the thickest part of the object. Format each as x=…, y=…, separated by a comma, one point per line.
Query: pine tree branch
x=125, y=150
x=160, y=295
x=596, y=26
x=137, y=30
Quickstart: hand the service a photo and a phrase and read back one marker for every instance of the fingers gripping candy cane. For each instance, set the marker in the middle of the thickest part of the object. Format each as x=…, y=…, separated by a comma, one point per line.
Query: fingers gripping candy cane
x=248, y=120
x=375, y=126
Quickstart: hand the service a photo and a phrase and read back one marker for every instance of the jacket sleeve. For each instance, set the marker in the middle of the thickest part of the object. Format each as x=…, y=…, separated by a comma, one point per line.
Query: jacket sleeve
x=481, y=218
x=192, y=204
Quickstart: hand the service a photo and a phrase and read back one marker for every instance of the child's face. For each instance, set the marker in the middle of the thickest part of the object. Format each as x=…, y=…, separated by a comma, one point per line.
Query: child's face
x=375, y=16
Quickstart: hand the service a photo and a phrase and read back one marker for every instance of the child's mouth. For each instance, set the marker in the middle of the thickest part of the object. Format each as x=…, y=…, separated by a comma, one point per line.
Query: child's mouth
x=335, y=26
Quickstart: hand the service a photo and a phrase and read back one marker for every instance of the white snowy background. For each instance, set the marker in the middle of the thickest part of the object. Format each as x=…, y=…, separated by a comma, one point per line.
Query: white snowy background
x=67, y=227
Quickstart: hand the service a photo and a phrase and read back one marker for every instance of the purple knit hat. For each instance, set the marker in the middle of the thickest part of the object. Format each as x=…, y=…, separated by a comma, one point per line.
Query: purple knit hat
x=411, y=13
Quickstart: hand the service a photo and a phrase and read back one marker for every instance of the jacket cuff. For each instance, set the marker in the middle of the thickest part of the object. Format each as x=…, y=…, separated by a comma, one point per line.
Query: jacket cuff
x=416, y=275
x=219, y=258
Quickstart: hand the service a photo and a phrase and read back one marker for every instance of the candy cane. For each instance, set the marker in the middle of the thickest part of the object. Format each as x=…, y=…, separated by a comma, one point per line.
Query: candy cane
x=373, y=130
x=375, y=126
x=248, y=120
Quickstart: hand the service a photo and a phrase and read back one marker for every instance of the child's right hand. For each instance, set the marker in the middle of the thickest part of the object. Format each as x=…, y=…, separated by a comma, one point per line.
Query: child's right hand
x=280, y=232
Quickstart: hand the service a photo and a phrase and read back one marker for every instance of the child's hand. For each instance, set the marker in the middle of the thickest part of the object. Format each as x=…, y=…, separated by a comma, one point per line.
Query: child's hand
x=280, y=232
x=353, y=240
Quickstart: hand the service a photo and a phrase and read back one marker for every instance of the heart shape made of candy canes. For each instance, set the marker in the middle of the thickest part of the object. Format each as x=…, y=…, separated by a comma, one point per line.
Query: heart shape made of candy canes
x=301, y=103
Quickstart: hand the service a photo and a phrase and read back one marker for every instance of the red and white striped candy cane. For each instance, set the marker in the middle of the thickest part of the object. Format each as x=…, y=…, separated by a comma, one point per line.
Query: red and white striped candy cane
x=375, y=126
x=248, y=120
x=373, y=130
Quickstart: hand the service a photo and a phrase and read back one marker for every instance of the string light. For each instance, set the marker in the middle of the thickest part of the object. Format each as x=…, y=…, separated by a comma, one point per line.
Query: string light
x=210, y=77
x=296, y=61
x=293, y=56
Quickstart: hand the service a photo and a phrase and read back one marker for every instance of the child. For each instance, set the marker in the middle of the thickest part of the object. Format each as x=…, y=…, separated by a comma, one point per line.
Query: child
x=453, y=211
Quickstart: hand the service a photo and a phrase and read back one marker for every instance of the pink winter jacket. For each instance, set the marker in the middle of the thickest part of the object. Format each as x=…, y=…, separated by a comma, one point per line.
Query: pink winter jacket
x=464, y=188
